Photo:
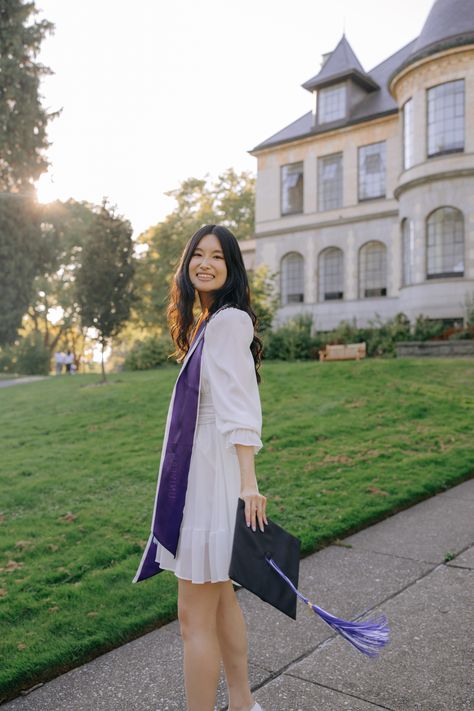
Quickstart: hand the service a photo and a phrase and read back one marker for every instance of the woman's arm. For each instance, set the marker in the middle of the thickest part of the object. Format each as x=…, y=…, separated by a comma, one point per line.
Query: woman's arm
x=255, y=503
x=236, y=399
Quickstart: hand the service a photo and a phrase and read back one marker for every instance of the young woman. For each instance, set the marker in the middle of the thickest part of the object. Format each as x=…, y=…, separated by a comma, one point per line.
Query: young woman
x=212, y=435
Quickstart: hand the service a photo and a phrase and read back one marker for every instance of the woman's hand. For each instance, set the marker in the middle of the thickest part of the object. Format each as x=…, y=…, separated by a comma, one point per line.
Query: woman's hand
x=255, y=508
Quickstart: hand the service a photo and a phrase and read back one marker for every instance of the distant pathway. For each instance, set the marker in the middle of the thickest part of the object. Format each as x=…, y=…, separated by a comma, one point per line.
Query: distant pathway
x=20, y=381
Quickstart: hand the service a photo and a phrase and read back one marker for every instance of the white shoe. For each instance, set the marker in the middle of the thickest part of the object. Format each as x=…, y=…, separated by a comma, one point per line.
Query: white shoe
x=257, y=707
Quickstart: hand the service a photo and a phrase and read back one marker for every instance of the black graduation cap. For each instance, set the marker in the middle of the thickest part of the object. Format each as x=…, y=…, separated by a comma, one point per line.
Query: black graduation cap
x=249, y=568
x=267, y=564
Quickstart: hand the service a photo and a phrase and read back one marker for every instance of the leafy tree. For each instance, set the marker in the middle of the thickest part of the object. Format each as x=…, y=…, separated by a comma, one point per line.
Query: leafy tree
x=229, y=201
x=265, y=298
x=23, y=120
x=54, y=311
x=103, y=283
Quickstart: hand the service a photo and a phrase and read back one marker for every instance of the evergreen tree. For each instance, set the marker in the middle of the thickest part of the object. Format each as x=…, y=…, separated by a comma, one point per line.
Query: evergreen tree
x=104, y=287
x=23, y=123
x=23, y=120
x=19, y=260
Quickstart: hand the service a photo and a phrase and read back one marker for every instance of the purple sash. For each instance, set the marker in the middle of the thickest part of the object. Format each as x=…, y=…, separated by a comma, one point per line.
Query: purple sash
x=173, y=482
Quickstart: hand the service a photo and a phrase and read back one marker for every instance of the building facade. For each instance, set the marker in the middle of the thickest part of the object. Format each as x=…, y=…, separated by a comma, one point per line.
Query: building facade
x=365, y=205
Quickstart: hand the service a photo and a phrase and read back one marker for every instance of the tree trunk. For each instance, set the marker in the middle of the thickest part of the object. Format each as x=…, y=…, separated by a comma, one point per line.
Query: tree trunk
x=104, y=379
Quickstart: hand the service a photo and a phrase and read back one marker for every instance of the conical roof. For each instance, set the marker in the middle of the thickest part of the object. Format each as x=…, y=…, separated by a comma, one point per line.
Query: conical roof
x=341, y=64
x=449, y=24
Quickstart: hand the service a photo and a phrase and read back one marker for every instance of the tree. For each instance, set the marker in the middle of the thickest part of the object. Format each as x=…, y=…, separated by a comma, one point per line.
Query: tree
x=23, y=120
x=23, y=123
x=103, y=284
x=228, y=201
x=54, y=311
x=20, y=257
x=265, y=297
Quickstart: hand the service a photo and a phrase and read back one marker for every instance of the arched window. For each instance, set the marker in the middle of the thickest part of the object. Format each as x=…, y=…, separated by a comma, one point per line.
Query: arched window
x=372, y=270
x=445, y=243
x=292, y=278
x=331, y=274
x=408, y=251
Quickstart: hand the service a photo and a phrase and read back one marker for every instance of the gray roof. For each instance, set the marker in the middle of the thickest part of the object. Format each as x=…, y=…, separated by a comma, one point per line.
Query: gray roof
x=448, y=19
x=449, y=23
x=341, y=63
x=377, y=103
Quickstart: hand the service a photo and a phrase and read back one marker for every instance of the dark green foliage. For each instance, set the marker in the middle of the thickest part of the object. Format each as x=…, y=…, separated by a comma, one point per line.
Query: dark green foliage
x=292, y=341
x=264, y=296
x=66, y=229
x=150, y=353
x=104, y=280
x=426, y=328
x=23, y=121
x=20, y=260
x=31, y=356
x=465, y=335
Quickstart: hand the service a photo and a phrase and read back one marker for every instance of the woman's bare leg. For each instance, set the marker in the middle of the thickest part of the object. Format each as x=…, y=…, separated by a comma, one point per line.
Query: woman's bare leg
x=232, y=635
x=197, y=613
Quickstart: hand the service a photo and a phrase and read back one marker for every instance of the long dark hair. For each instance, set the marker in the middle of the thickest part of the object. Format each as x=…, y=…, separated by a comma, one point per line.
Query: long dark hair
x=235, y=292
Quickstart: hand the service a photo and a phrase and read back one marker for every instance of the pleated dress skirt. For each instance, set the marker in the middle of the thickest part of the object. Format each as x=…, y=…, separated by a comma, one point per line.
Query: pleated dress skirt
x=207, y=530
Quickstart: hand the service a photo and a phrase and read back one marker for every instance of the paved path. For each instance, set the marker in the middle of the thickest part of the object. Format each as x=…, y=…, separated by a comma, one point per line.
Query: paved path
x=21, y=381
x=396, y=566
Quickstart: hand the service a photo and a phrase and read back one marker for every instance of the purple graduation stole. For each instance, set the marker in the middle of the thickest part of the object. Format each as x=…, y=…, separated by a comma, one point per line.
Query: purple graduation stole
x=173, y=482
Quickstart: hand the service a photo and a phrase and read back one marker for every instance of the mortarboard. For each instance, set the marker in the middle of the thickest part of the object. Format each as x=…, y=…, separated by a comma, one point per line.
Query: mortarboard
x=248, y=565
x=267, y=564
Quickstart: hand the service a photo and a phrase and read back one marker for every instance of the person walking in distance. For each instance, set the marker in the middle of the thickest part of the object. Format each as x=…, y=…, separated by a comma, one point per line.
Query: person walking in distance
x=69, y=359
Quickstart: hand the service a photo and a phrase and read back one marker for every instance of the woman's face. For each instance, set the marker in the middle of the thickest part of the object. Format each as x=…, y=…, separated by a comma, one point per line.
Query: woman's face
x=207, y=268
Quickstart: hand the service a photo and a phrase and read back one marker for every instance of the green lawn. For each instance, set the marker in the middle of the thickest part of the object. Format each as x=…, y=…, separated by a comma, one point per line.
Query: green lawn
x=345, y=444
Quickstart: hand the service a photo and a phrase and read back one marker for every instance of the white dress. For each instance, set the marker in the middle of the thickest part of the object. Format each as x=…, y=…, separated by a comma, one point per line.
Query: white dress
x=229, y=412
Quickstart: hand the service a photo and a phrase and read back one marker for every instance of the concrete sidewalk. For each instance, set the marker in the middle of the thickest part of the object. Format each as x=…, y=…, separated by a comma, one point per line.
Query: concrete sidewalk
x=397, y=567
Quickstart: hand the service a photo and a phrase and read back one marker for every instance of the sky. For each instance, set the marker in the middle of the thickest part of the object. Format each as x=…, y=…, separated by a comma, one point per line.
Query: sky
x=157, y=91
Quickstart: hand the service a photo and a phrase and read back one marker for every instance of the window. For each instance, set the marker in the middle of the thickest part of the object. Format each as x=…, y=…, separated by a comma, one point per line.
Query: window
x=373, y=270
x=446, y=118
x=408, y=251
x=445, y=243
x=291, y=188
x=332, y=103
x=331, y=274
x=292, y=278
x=330, y=182
x=408, y=134
x=372, y=171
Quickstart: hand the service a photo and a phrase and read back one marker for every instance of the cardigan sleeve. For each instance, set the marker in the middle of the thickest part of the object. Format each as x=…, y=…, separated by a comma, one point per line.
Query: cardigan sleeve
x=233, y=382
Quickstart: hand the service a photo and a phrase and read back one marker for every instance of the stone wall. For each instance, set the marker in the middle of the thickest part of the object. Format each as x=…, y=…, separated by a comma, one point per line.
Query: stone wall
x=440, y=349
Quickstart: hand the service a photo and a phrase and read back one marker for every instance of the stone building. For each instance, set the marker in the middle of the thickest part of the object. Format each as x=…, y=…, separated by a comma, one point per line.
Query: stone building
x=365, y=205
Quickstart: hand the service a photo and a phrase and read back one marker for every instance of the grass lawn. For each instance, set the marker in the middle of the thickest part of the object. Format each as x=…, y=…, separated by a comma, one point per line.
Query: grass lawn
x=345, y=444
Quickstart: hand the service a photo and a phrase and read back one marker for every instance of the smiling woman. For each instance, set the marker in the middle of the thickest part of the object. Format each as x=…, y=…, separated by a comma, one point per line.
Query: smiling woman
x=207, y=268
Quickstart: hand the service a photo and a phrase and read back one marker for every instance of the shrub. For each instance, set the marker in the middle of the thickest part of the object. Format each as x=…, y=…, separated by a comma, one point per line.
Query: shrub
x=292, y=340
x=149, y=353
x=426, y=328
x=28, y=356
x=465, y=334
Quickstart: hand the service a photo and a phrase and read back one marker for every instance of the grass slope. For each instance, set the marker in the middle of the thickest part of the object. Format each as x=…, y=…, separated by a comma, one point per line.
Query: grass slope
x=345, y=444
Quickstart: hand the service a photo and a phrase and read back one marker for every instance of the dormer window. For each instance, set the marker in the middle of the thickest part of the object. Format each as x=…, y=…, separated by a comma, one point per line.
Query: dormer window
x=332, y=103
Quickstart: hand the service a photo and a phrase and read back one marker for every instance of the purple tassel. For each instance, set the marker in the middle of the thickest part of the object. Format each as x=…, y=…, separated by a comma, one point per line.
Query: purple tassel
x=368, y=636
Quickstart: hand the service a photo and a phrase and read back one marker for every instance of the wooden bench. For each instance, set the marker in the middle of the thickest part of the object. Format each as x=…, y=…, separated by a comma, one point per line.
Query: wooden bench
x=350, y=351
